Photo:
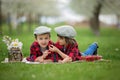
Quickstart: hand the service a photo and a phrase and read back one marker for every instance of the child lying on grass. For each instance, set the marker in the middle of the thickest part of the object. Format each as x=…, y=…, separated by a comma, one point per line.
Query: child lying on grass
x=67, y=48
x=39, y=50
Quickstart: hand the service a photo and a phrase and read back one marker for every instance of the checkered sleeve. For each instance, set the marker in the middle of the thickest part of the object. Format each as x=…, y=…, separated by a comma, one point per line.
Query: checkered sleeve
x=73, y=53
x=33, y=53
x=34, y=50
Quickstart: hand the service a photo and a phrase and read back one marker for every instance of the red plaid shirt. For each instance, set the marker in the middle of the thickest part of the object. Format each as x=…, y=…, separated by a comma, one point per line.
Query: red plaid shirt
x=35, y=51
x=71, y=50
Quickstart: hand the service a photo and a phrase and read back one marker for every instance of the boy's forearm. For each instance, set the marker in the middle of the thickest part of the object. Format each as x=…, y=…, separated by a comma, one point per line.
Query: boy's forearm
x=67, y=59
x=44, y=56
x=63, y=55
x=47, y=61
x=38, y=58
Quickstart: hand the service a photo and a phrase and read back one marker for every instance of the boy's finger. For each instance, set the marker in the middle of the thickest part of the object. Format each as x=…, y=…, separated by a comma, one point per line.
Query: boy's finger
x=49, y=52
x=51, y=46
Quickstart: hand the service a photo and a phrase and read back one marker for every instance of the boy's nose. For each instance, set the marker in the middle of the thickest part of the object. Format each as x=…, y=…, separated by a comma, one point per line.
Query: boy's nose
x=43, y=41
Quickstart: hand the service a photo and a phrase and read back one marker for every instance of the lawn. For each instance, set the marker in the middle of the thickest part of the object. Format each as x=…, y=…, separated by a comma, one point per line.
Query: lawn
x=109, y=48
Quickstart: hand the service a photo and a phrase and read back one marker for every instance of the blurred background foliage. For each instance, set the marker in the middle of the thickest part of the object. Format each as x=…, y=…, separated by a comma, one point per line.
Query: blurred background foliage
x=91, y=13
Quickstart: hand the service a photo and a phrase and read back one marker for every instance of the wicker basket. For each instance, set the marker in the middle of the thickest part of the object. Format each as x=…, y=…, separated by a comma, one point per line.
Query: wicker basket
x=15, y=55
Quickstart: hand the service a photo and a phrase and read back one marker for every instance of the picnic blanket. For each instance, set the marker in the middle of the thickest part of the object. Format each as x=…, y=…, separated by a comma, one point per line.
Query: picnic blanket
x=23, y=61
x=84, y=59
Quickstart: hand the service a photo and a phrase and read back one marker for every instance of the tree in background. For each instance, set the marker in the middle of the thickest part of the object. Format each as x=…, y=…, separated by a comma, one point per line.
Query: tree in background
x=0, y=18
x=112, y=7
x=94, y=19
x=93, y=8
x=13, y=9
x=30, y=8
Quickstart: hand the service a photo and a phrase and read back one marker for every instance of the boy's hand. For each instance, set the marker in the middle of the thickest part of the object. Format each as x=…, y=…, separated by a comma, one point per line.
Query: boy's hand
x=39, y=59
x=45, y=53
x=52, y=48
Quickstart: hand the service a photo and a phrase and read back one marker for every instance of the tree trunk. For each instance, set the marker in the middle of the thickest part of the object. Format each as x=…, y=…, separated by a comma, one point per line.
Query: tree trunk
x=19, y=23
x=94, y=20
x=38, y=19
x=0, y=18
x=9, y=22
x=29, y=20
x=118, y=21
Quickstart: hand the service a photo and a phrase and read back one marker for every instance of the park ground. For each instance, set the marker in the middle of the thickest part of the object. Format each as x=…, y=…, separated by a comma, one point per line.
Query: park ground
x=109, y=48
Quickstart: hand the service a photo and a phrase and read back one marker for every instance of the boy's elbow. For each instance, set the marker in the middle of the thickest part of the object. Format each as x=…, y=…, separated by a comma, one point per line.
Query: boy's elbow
x=70, y=59
x=67, y=59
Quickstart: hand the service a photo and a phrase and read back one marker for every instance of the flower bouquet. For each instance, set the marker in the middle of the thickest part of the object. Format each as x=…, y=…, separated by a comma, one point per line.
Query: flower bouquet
x=14, y=49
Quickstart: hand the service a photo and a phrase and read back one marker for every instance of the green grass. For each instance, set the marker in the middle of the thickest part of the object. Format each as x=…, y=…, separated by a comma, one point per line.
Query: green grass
x=108, y=41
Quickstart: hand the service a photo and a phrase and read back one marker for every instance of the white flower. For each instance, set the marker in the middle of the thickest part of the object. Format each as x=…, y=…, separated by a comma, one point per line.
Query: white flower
x=116, y=49
x=33, y=76
x=20, y=45
x=9, y=47
x=16, y=40
x=16, y=44
x=7, y=40
x=12, y=43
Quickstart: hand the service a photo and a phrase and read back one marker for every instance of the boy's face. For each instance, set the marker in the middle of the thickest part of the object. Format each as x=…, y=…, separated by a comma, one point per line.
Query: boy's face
x=43, y=40
x=61, y=41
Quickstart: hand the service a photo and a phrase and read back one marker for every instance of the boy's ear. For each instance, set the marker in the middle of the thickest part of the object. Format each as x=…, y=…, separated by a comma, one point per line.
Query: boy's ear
x=35, y=39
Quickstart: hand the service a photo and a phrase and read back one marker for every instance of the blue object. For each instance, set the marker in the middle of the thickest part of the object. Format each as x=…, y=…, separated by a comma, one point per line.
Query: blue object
x=91, y=49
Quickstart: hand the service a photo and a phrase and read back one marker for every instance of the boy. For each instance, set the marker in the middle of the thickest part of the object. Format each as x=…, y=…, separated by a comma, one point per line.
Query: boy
x=39, y=50
x=67, y=47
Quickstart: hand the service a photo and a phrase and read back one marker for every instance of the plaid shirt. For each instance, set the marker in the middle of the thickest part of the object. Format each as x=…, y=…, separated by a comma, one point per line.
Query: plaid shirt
x=71, y=50
x=35, y=52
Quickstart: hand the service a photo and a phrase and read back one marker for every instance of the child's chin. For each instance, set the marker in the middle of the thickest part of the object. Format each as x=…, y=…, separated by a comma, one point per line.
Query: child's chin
x=44, y=46
x=61, y=44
